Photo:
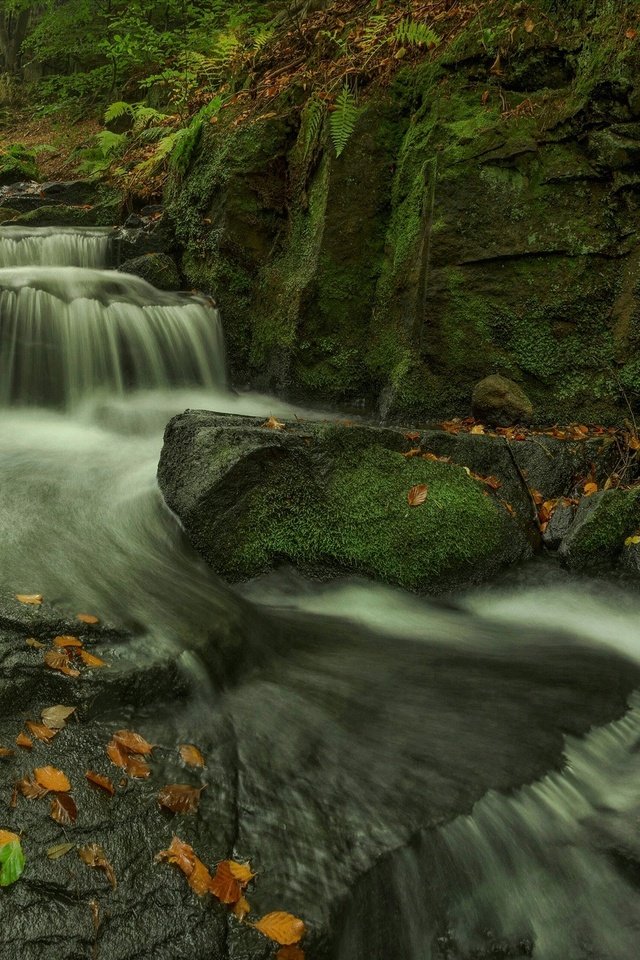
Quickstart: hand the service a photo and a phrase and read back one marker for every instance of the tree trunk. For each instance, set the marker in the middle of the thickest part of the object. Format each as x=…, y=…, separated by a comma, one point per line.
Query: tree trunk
x=13, y=30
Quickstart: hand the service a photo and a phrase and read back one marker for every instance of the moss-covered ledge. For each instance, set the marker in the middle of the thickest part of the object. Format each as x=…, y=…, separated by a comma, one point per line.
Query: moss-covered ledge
x=331, y=499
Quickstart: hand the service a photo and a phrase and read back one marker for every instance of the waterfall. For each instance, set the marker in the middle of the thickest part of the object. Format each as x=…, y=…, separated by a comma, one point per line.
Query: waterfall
x=67, y=333
x=54, y=246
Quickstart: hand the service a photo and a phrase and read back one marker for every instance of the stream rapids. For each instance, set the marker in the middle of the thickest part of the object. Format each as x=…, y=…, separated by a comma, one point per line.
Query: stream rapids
x=389, y=688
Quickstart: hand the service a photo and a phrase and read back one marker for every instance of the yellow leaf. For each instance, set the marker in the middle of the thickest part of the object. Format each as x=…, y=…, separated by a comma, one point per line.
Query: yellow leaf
x=87, y=618
x=274, y=424
x=191, y=755
x=66, y=641
x=32, y=599
x=241, y=909
x=529, y=25
x=590, y=489
x=7, y=837
x=282, y=927
x=478, y=429
x=630, y=541
x=90, y=660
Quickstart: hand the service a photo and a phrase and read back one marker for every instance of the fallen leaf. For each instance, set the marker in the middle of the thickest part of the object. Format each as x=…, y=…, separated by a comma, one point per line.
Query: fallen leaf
x=30, y=788
x=529, y=25
x=90, y=659
x=116, y=754
x=412, y=453
x=100, y=781
x=274, y=424
x=60, y=850
x=41, y=731
x=478, y=429
x=87, y=618
x=224, y=885
x=59, y=660
x=414, y=435
x=24, y=741
x=32, y=642
x=590, y=489
x=191, y=755
x=630, y=541
x=137, y=767
x=180, y=798
x=6, y=752
x=67, y=641
x=132, y=742
x=241, y=871
x=52, y=779
x=241, y=908
x=631, y=34
x=417, y=495
x=31, y=599
x=64, y=809
x=56, y=717
x=183, y=856
x=291, y=952
x=94, y=856
x=11, y=858
x=282, y=927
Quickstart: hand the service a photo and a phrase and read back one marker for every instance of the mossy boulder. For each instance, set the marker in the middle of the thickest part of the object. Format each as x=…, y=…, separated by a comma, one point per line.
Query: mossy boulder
x=603, y=522
x=6, y=213
x=158, y=269
x=330, y=500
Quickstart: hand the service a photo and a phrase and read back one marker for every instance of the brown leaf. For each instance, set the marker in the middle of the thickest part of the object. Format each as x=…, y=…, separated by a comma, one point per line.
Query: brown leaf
x=415, y=452
x=291, y=952
x=30, y=788
x=32, y=642
x=183, y=856
x=87, y=618
x=132, y=742
x=274, y=424
x=241, y=908
x=67, y=641
x=52, y=779
x=64, y=809
x=56, y=717
x=282, y=927
x=631, y=34
x=417, y=495
x=100, y=781
x=24, y=741
x=116, y=754
x=6, y=752
x=224, y=885
x=59, y=660
x=478, y=429
x=180, y=798
x=529, y=25
x=412, y=436
x=137, y=767
x=94, y=856
x=31, y=599
x=40, y=731
x=191, y=755
x=90, y=659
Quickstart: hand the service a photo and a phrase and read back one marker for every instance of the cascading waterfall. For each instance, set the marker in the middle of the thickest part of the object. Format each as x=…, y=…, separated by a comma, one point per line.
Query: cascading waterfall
x=393, y=689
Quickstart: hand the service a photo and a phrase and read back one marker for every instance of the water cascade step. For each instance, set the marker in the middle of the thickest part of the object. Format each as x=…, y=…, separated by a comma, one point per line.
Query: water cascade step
x=54, y=246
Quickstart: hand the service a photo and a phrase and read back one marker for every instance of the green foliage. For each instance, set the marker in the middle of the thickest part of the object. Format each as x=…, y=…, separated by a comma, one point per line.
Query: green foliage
x=117, y=110
x=415, y=33
x=312, y=120
x=11, y=862
x=343, y=119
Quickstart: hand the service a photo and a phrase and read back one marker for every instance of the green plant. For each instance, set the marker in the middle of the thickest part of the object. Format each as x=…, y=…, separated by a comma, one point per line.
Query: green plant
x=343, y=119
x=415, y=33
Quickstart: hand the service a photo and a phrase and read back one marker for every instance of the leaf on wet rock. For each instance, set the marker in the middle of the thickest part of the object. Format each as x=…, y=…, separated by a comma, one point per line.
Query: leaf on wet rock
x=40, y=731
x=32, y=642
x=134, y=765
x=98, y=780
x=184, y=857
x=241, y=908
x=132, y=742
x=11, y=858
x=417, y=495
x=191, y=755
x=590, y=489
x=64, y=809
x=282, y=927
x=56, y=717
x=59, y=850
x=24, y=741
x=59, y=660
x=292, y=952
x=94, y=856
x=274, y=424
x=30, y=599
x=6, y=752
x=30, y=788
x=224, y=885
x=90, y=659
x=52, y=779
x=180, y=798
x=66, y=641
x=87, y=618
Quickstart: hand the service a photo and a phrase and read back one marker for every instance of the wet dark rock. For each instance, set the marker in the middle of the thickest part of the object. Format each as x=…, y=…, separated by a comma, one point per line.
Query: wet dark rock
x=630, y=557
x=8, y=213
x=143, y=234
x=500, y=402
x=602, y=523
x=559, y=526
x=158, y=269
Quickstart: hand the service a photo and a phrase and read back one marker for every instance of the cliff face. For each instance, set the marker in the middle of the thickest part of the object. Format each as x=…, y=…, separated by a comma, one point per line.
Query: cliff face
x=484, y=217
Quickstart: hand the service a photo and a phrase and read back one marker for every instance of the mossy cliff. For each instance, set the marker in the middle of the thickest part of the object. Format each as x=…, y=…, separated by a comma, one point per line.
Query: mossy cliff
x=484, y=217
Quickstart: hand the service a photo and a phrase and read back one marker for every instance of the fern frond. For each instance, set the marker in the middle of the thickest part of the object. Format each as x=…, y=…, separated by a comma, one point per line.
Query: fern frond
x=312, y=120
x=116, y=110
x=343, y=119
x=144, y=116
x=262, y=38
x=152, y=133
x=415, y=33
x=110, y=143
x=375, y=26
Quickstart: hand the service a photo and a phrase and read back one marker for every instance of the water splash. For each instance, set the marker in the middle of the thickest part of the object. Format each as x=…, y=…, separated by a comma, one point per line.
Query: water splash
x=54, y=246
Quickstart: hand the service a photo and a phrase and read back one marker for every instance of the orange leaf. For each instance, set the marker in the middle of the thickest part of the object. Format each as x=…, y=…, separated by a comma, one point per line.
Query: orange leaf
x=40, y=731
x=590, y=489
x=59, y=660
x=64, y=809
x=478, y=429
x=274, y=424
x=241, y=871
x=7, y=837
x=132, y=742
x=290, y=953
x=529, y=26
x=282, y=927
x=241, y=908
x=87, y=618
x=417, y=495
x=183, y=856
x=52, y=779
x=631, y=34
x=32, y=599
x=94, y=856
x=24, y=741
x=90, y=660
x=6, y=752
x=180, y=798
x=414, y=435
x=67, y=641
x=116, y=754
x=191, y=755
x=224, y=885
x=100, y=781
x=412, y=453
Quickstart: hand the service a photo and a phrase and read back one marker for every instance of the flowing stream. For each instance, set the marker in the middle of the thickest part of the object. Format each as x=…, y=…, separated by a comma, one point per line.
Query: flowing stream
x=406, y=705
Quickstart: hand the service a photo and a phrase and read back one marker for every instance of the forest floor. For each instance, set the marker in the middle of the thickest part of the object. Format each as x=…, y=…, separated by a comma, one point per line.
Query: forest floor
x=58, y=141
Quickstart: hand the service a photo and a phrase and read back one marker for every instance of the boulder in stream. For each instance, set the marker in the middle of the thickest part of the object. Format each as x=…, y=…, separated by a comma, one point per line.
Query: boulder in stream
x=158, y=269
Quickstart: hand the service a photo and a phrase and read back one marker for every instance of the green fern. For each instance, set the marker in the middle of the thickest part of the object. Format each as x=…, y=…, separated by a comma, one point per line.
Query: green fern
x=343, y=119
x=116, y=110
x=312, y=120
x=373, y=29
x=261, y=38
x=415, y=33
x=110, y=143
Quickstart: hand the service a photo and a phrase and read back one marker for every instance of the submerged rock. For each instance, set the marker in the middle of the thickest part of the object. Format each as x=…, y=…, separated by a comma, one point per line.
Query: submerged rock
x=330, y=499
x=158, y=269
x=500, y=402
